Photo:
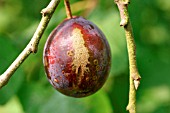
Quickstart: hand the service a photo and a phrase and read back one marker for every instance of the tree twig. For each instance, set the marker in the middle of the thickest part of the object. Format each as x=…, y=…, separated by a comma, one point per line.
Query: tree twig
x=33, y=44
x=134, y=74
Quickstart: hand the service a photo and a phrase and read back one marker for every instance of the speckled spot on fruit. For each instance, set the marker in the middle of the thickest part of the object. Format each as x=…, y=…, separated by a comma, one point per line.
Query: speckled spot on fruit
x=95, y=62
x=45, y=61
x=56, y=80
x=70, y=53
x=97, y=68
x=81, y=55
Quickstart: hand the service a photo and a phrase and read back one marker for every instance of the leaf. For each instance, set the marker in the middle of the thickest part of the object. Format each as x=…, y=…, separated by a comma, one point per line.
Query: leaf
x=7, y=55
x=33, y=95
x=97, y=103
x=13, y=106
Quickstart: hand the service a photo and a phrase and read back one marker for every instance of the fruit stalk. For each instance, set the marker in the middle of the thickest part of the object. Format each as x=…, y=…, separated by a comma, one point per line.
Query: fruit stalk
x=134, y=74
x=33, y=44
x=68, y=9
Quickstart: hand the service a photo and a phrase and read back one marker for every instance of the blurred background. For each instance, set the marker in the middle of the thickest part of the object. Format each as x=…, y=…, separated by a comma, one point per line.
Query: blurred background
x=29, y=91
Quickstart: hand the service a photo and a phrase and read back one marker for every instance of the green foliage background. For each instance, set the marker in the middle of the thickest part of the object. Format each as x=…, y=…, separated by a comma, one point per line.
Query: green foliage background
x=29, y=91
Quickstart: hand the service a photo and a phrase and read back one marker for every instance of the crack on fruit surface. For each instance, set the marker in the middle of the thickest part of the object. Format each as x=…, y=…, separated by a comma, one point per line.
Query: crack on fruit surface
x=81, y=55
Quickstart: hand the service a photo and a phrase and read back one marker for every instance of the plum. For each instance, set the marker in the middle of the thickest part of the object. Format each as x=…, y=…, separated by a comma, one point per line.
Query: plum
x=77, y=57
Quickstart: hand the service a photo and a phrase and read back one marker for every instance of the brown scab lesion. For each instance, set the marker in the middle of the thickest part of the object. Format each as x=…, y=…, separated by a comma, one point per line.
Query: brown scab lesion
x=56, y=80
x=97, y=68
x=63, y=72
x=70, y=53
x=95, y=61
x=49, y=76
x=45, y=61
x=73, y=68
x=81, y=55
x=66, y=74
x=94, y=78
x=87, y=78
x=87, y=70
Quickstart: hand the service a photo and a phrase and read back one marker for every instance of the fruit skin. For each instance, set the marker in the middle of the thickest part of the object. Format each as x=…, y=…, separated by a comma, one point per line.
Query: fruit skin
x=77, y=57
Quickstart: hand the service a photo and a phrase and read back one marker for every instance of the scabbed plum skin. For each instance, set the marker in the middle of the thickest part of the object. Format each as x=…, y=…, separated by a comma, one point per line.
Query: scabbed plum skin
x=77, y=57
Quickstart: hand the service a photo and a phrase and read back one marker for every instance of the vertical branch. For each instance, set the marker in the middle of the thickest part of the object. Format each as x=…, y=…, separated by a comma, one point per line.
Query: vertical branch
x=33, y=44
x=134, y=74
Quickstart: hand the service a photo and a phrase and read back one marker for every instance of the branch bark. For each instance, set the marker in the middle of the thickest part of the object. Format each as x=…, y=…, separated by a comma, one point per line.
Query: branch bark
x=33, y=44
x=134, y=74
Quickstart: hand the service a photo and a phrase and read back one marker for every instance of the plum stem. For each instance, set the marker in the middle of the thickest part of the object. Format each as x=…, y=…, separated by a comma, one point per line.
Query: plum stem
x=134, y=74
x=68, y=9
x=33, y=44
